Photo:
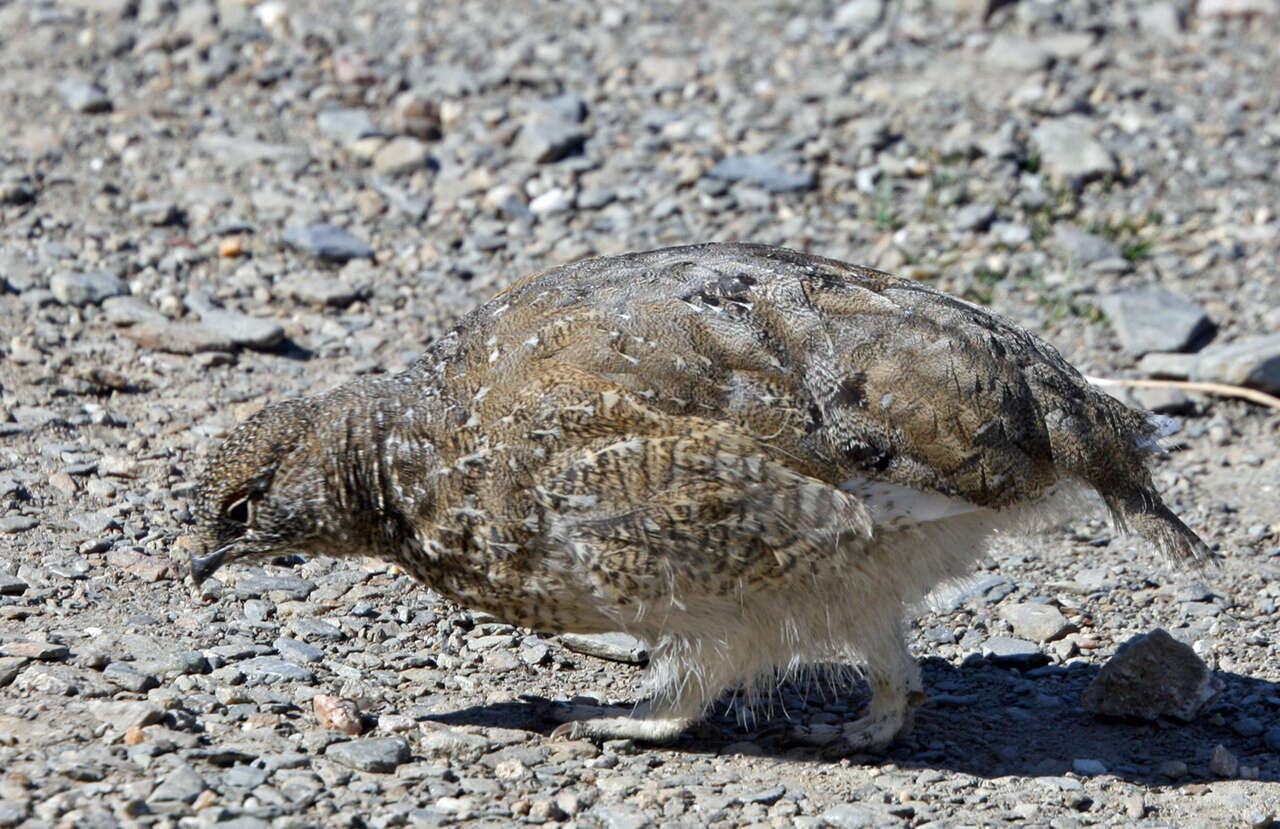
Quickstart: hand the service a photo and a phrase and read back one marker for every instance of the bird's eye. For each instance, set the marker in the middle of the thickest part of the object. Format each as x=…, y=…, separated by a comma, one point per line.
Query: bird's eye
x=239, y=511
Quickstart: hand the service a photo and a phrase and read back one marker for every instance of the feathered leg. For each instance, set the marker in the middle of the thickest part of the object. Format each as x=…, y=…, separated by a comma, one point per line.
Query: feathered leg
x=687, y=674
x=896, y=690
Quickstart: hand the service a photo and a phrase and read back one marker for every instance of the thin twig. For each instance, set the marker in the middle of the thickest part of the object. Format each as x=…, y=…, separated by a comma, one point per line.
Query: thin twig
x=1222, y=389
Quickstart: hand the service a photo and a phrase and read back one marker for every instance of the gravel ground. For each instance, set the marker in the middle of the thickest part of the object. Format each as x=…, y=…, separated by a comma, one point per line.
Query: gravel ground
x=206, y=207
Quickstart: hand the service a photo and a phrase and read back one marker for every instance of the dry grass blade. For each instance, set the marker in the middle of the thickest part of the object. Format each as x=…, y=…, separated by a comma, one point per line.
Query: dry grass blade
x=1221, y=389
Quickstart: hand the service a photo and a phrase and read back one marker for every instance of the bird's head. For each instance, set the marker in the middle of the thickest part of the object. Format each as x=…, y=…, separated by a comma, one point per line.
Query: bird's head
x=263, y=492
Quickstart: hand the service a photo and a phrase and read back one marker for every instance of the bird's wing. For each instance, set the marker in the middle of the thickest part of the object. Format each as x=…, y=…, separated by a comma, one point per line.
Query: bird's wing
x=703, y=514
x=850, y=371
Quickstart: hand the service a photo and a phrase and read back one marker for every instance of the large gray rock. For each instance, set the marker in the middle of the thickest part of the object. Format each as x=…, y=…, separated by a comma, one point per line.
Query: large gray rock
x=1236, y=8
x=1081, y=247
x=546, y=138
x=620, y=816
x=84, y=97
x=291, y=650
x=1163, y=19
x=1152, y=675
x=619, y=647
x=1037, y=622
x=1253, y=362
x=376, y=755
x=234, y=149
x=567, y=107
x=10, y=666
x=860, y=816
x=1153, y=319
x=858, y=14
x=17, y=270
x=1069, y=153
x=241, y=329
x=131, y=310
x=127, y=713
x=456, y=744
x=316, y=289
x=985, y=589
x=327, y=242
x=777, y=175
x=15, y=188
x=1012, y=652
x=177, y=338
x=282, y=587
x=17, y=523
x=182, y=785
x=1223, y=763
x=1015, y=54
x=346, y=126
x=1169, y=366
x=82, y=289
x=156, y=212
x=401, y=155
x=271, y=670
x=976, y=217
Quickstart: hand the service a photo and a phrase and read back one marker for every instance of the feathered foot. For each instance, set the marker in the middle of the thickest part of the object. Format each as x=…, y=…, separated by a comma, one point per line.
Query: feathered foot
x=896, y=691
x=616, y=722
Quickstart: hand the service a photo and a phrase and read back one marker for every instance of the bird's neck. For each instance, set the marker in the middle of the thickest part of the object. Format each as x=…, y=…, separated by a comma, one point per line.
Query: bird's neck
x=380, y=448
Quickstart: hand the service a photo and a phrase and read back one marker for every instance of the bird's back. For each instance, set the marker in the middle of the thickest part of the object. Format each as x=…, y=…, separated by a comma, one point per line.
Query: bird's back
x=844, y=374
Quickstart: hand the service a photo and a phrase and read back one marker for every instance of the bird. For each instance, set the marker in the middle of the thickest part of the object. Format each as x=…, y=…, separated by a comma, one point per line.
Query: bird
x=751, y=458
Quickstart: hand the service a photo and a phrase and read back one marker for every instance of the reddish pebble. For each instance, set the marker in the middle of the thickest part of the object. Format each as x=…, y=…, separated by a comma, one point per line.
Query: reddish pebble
x=337, y=714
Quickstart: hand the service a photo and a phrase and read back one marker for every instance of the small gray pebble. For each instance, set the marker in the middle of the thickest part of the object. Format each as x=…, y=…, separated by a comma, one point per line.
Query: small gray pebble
x=975, y=217
x=1013, y=652
x=376, y=755
x=84, y=97
x=777, y=175
x=327, y=242
x=295, y=651
x=129, y=677
x=1088, y=766
x=1247, y=727
x=82, y=289
x=272, y=670
x=17, y=523
x=182, y=785
x=346, y=126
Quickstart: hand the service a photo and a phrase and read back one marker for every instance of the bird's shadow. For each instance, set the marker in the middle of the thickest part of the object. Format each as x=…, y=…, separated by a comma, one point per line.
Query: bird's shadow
x=983, y=720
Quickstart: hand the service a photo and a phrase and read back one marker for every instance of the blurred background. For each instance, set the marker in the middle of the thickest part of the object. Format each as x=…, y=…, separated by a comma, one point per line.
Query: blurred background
x=1068, y=162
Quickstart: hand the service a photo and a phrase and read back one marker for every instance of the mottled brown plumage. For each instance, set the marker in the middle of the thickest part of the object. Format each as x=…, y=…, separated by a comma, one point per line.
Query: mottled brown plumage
x=748, y=456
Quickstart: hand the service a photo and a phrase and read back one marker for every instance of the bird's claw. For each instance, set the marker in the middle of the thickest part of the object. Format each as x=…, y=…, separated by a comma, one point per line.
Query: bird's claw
x=566, y=731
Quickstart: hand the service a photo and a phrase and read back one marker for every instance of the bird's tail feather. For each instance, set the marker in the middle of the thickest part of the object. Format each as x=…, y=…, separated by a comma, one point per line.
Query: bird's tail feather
x=1142, y=512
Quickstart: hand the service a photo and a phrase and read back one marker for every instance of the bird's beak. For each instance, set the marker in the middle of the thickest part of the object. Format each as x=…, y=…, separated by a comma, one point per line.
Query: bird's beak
x=203, y=567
